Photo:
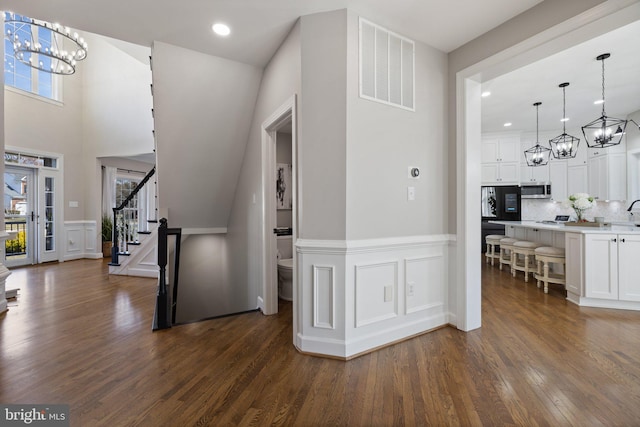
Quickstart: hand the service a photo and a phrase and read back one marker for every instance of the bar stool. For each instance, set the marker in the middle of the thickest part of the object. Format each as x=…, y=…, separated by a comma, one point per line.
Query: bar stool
x=544, y=256
x=492, y=241
x=506, y=248
x=527, y=250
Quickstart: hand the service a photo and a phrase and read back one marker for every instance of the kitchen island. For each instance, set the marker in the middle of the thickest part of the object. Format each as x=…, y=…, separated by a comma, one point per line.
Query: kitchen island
x=603, y=263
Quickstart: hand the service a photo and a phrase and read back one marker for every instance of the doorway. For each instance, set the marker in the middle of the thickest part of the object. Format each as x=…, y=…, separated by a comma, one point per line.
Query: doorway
x=32, y=203
x=19, y=215
x=283, y=122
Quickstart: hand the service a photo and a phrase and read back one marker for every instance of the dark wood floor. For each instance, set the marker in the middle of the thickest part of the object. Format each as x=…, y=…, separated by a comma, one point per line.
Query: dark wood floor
x=79, y=337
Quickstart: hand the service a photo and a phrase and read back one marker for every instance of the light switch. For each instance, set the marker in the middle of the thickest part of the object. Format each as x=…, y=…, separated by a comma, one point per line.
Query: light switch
x=411, y=193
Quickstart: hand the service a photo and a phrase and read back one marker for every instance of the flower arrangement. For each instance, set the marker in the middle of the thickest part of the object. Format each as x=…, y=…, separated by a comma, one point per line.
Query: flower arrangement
x=580, y=202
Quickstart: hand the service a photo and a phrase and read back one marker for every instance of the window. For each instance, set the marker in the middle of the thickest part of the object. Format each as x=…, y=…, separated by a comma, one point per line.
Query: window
x=386, y=66
x=130, y=214
x=20, y=75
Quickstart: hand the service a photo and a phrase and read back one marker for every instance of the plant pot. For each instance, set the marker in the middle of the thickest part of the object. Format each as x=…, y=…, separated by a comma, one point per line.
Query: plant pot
x=106, y=249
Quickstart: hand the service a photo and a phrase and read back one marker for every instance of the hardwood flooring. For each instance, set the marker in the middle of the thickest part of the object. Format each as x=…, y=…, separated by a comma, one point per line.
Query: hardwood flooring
x=77, y=336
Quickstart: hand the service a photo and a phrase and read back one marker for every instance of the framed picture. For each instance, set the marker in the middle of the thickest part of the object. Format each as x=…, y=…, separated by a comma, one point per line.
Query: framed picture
x=283, y=186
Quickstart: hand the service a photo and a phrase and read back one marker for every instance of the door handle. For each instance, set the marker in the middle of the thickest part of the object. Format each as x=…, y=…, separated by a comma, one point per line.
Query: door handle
x=32, y=216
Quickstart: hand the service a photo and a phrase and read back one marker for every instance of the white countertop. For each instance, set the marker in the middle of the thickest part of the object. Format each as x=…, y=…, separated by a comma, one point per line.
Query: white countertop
x=607, y=229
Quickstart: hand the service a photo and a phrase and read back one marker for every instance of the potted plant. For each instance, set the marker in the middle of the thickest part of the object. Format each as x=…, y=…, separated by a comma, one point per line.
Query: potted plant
x=107, y=235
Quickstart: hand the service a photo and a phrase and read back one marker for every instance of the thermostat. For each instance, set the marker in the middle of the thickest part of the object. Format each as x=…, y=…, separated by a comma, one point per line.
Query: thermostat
x=414, y=172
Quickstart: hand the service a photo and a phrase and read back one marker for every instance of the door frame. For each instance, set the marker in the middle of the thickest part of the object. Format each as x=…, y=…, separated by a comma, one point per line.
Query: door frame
x=41, y=172
x=594, y=22
x=285, y=113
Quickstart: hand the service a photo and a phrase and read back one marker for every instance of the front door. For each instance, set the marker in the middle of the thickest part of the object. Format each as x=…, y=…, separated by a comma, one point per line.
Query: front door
x=19, y=215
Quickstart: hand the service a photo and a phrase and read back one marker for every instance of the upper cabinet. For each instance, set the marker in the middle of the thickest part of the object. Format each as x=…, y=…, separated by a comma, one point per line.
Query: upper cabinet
x=502, y=150
x=608, y=176
x=500, y=160
x=534, y=173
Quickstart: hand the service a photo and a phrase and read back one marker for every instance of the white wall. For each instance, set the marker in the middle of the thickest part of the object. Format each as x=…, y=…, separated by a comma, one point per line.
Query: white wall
x=384, y=141
x=39, y=125
x=203, y=108
x=280, y=81
x=116, y=111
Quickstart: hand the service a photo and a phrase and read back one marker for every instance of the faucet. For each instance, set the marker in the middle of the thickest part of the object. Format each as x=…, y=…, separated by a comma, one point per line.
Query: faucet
x=631, y=207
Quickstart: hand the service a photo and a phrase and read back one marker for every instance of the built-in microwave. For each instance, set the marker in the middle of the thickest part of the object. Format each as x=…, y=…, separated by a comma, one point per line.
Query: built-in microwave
x=536, y=190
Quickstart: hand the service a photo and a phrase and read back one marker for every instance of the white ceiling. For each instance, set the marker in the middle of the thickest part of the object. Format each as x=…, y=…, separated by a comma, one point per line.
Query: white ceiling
x=513, y=94
x=259, y=26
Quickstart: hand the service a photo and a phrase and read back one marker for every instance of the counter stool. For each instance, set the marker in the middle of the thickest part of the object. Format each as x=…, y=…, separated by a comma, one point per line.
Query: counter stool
x=527, y=250
x=492, y=241
x=544, y=256
x=506, y=248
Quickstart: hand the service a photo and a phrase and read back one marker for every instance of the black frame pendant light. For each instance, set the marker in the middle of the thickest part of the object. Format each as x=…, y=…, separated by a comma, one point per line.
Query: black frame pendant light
x=604, y=131
x=564, y=146
x=537, y=155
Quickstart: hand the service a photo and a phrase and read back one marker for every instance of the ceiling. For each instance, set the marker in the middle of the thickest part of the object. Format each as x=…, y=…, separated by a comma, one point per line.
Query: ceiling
x=259, y=26
x=513, y=94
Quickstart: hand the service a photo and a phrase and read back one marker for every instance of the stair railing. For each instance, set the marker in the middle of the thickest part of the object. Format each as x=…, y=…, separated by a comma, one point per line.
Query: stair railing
x=125, y=222
x=165, y=314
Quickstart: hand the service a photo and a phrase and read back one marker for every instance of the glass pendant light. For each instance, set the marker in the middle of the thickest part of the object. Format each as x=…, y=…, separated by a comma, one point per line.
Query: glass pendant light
x=537, y=155
x=564, y=146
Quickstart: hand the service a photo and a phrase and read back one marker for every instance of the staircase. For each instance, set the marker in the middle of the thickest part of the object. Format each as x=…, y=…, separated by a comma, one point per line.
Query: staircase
x=134, y=251
x=141, y=258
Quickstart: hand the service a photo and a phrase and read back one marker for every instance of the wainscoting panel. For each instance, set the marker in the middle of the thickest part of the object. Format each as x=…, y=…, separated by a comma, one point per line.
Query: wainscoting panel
x=424, y=287
x=355, y=296
x=324, y=315
x=376, y=292
x=81, y=239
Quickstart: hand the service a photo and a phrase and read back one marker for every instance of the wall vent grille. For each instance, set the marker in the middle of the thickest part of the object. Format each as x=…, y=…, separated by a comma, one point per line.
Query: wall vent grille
x=387, y=66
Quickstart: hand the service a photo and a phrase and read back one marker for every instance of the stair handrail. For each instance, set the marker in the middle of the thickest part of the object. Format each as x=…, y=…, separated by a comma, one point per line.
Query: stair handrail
x=125, y=202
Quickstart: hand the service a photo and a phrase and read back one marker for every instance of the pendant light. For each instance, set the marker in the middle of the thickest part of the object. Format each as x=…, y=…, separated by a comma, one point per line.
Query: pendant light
x=537, y=155
x=564, y=146
x=604, y=131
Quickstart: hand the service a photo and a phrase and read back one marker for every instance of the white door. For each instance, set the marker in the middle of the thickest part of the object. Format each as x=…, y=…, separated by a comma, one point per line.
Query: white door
x=19, y=215
x=31, y=206
x=48, y=208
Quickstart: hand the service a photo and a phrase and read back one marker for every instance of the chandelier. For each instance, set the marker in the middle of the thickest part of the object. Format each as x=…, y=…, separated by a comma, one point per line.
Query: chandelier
x=537, y=155
x=604, y=131
x=564, y=146
x=57, y=54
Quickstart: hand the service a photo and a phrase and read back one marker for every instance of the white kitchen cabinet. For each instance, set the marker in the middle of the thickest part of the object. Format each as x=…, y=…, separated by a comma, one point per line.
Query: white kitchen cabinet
x=500, y=173
x=601, y=266
x=574, y=250
x=611, y=267
x=581, y=155
x=502, y=150
x=534, y=173
x=558, y=176
x=577, y=181
x=629, y=267
x=500, y=162
x=608, y=176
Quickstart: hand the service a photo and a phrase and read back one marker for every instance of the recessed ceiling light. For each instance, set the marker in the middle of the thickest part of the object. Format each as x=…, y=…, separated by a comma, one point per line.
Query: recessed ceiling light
x=599, y=101
x=507, y=124
x=221, y=29
x=485, y=94
x=566, y=119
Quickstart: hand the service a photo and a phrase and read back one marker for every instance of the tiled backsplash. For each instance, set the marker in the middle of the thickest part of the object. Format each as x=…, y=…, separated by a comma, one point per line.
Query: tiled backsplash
x=541, y=210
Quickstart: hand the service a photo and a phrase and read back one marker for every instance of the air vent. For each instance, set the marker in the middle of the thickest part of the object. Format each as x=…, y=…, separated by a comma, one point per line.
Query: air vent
x=386, y=66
